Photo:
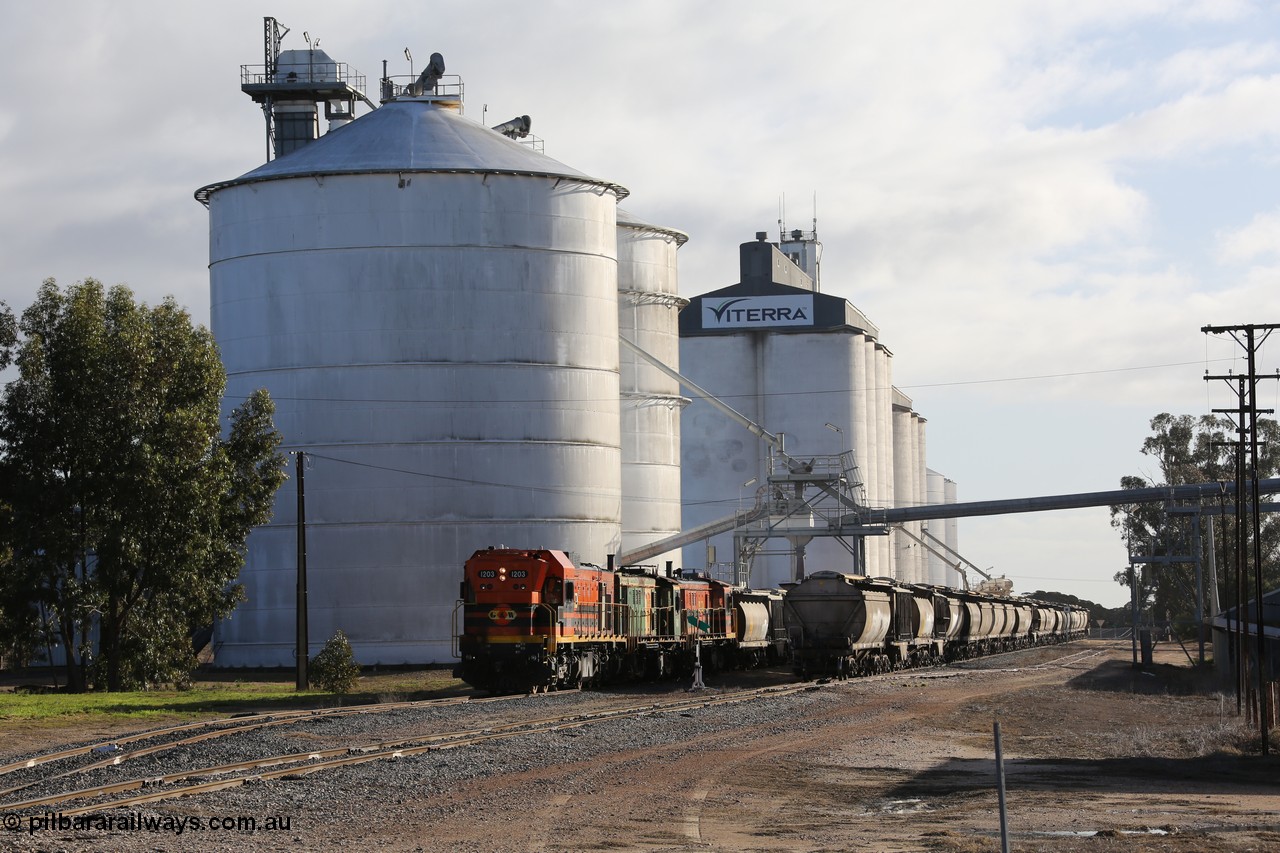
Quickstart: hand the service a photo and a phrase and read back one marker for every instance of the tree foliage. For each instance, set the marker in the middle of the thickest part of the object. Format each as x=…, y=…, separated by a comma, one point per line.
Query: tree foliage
x=1096, y=611
x=334, y=667
x=8, y=335
x=123, y=508
x=1192, y=450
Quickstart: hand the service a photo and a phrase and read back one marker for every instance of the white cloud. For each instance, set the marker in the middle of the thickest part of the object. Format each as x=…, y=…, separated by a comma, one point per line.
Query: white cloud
x=1202, y=69
x=1259, y=239
x=986, y=172
x=1216, y=11
x=1197, y=122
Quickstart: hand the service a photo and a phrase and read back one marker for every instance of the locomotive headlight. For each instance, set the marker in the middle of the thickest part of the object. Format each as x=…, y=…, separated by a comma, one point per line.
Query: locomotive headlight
x=502, y=574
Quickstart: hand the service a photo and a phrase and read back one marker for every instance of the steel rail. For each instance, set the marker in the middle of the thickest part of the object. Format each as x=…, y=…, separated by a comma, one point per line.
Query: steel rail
x=228, y=726
x=214, y=735
x=345, y=756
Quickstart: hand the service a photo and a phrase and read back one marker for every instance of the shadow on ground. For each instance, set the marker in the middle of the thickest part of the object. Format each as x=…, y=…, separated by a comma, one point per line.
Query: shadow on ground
x=1210, y=774
x=1156, y=679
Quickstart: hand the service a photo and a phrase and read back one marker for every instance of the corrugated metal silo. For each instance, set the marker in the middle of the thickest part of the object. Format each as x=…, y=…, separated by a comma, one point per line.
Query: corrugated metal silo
x=860, y=433
x=648, y=316
x=877, y=565
x=922, y=491
x=904, y=546
x=907, y=490
x=434, y=309
x=885, y=460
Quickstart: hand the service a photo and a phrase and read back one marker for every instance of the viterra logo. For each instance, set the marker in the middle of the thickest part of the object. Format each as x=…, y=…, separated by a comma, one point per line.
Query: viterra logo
x=743, y=311
x=725, y=306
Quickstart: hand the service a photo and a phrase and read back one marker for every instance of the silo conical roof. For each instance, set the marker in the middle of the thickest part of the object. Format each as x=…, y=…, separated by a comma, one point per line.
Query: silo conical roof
x=626, y=219
x=411, y=136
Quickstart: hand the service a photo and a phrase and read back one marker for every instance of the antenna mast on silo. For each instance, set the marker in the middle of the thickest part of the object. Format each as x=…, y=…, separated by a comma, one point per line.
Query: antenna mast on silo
x=271, y=54
x=802, y=248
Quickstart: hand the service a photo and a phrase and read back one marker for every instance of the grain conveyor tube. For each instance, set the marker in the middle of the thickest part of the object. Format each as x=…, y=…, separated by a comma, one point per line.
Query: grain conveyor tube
x=777, y=442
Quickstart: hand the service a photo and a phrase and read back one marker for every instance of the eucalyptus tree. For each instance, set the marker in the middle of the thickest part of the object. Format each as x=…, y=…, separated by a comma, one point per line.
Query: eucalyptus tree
x=8, y=334
x=1189, y=449
x=127, y=508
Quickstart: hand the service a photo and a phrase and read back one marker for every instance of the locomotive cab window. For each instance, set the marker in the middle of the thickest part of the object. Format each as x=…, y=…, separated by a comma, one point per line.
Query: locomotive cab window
x=568, y=591
x=552, y=591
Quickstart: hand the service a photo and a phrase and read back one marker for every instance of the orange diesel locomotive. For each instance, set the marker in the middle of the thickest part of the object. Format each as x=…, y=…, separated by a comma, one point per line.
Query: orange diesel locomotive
x=532, y=620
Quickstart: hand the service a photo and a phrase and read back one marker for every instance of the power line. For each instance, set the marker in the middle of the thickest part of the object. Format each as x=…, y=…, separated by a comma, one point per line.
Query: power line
x=1059, y=375
x=963, y=382
x=463, y=480
x=513, y=486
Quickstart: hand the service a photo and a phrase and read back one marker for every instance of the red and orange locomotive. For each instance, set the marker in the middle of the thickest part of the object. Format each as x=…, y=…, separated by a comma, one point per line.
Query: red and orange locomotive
x=532, y=620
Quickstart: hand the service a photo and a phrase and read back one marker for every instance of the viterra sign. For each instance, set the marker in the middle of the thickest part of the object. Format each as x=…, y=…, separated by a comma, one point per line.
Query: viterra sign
x=737, y=312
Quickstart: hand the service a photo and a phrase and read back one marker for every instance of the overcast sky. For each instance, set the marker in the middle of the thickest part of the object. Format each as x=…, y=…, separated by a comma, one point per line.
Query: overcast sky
x=1040, y=204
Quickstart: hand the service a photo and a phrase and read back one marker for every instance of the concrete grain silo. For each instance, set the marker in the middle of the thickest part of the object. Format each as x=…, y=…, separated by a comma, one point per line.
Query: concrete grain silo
x=921, y=489
x=884, y=460
x=795, y=361
x=434, y=308
x=951, y=531
x=812, y=366
x=907, y=549
x=936, y=494
x=941, y=571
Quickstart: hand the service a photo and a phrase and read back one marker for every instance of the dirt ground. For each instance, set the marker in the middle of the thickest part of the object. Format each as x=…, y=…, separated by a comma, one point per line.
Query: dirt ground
x=1098, y=757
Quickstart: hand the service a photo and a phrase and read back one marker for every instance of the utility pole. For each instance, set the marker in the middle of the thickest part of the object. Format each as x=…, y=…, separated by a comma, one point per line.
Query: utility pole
x=1235, y=626
x=1197, y=549
x=302, y=648
x=1251, y=336
x=1133, y=599
x=1170, y=558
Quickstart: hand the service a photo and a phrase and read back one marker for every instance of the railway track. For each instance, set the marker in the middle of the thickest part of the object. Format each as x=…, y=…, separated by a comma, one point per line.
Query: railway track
x=979, y=663
x=154, y=787
x=214, y=730
x=300, y=764
x=1071, y=661
x=224, y=726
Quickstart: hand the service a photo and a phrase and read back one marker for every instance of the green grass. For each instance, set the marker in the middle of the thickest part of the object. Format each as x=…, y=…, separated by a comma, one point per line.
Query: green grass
x=221, y=694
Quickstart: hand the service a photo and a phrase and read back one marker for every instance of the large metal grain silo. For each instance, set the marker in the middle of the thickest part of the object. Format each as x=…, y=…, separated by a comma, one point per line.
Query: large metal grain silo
x=648, y=316
x=434, y=308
